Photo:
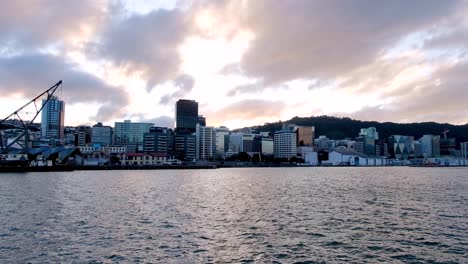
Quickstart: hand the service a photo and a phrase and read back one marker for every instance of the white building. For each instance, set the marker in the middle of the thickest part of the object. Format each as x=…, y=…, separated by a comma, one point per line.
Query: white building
x=206, y=142
x=285, y=144
x=347, y=157
x=267, y=146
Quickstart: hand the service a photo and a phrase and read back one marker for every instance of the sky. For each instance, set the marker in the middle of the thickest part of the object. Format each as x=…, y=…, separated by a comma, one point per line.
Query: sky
x=246, y=62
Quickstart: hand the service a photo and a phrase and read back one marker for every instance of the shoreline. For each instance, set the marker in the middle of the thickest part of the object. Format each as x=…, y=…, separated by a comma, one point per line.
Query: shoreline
x=183, y=167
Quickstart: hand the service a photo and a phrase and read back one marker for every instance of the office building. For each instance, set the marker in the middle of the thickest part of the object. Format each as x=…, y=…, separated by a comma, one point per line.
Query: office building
x=206, y=143
x=447, y=146
x=130, y=134
x=248, y=143
x=381, y=148
x=370, y=132
x=156, y=140
x=430, y=146
x=52, y=121
x=221, y=141
x=401, y=147
x=464, y=150
x=82, y=135
x=101, y=135
x=305, y=136
x=186, y=116
x=234, y=144
x=285, y=144
x=185, y=146
x=201, y=120
x=324, y=143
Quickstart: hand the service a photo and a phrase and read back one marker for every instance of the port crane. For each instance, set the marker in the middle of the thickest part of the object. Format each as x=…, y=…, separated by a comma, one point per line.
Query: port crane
x=445, y=133
x=24, y=126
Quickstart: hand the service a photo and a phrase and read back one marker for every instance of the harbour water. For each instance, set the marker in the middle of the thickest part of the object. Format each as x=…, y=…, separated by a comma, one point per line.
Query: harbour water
x=264, y=215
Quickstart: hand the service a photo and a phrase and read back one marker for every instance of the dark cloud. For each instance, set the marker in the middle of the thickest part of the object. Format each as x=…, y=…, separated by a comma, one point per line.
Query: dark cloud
x=246, y=88
x=31, y=74
x=184, y=83
x=162, y=121
x=146, y=43
x=328, y=39
x=34, y=24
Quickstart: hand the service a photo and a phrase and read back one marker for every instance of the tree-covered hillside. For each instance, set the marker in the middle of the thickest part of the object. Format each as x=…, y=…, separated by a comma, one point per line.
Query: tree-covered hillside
x=340, y=128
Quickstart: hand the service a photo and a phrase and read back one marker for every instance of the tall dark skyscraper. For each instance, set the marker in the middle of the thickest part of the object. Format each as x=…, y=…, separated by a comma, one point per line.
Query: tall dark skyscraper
x=186, y=116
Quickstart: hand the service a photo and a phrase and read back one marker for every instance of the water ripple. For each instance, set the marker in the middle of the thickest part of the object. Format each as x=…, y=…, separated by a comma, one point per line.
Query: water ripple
x=270, y=215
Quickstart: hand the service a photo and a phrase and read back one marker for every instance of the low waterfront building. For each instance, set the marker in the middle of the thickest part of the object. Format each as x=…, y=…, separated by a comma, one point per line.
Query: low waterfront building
x=347, y=157
x=142, y=159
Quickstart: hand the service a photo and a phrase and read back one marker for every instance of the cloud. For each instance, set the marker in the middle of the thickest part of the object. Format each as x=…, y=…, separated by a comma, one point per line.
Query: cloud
x=246, y=88
x=35, y=24
x=31, y=74
x=146, y=44
x=162, y=121
x=442, y=98
x=184, y=83
x=328, y=39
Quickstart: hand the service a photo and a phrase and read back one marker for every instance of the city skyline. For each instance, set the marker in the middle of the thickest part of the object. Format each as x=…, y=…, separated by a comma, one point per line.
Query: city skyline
x=392, y=61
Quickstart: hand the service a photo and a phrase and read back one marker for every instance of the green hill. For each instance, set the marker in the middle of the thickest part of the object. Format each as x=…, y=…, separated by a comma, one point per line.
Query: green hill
x=340, y=128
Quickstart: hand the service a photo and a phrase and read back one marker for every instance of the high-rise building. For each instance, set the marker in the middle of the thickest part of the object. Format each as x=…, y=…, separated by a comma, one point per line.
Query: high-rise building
x=156, y=140
x=53, y=114
x=401, y=147
x=369, y=132
x=221, y=134
x=201, y=120
x=381, y=148
x=186, y=116
x=447, y=146
x=324, y=143
x=185, y=146
x=206, y=143
x=82, y=135
x=285, y=144
x=101, y=135
x=430, y=146
x=305, y=136
x=464, y=150
x=248, y=143
x=234, y=144
x=263, y=144
x=368, y=136
x=418, y=149
x=130, y=134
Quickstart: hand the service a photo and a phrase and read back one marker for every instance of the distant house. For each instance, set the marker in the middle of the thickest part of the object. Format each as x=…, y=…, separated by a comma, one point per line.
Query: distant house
x=142, y=159
x=348, y=157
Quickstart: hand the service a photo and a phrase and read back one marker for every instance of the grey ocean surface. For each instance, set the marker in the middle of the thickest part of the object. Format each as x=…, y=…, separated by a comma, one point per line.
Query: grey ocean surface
x=265, y=215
